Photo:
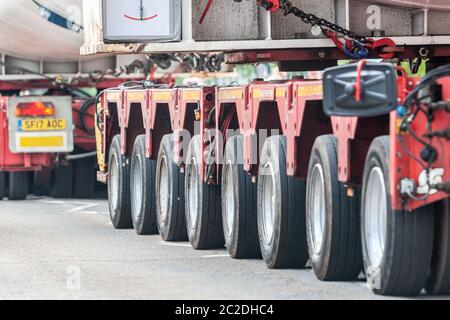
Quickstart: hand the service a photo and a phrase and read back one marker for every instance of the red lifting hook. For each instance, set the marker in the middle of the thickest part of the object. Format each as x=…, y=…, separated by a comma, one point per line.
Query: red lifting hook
x=383, y=43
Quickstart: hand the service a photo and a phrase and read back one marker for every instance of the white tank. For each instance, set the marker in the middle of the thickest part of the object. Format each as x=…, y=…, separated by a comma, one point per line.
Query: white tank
x=24, y=33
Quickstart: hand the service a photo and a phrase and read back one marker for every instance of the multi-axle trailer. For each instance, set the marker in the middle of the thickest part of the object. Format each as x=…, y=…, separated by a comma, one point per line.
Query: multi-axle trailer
x=263, y=169
x=348, y=173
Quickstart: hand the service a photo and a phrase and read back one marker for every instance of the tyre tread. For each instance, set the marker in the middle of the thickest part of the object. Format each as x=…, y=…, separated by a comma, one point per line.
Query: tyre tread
x=406, y=266
x=439, y=280
x=61, y=182
x=3, y=183
x=147, y=224
x=291, y=251
x=244, y=242
x=19, y=185
x=209, y=230
x=84, y=179
x=123, y=220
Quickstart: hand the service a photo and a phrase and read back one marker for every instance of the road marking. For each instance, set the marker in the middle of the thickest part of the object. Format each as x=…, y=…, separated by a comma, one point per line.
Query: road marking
x=216, y=256
x=364, y=285
x=175, y=244
x=93, y=213
x=53, y=202
x=82, y=206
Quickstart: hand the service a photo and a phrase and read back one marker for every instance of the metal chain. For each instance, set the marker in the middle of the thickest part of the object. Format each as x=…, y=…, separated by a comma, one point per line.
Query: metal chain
x=192, y=61
x=288, y=8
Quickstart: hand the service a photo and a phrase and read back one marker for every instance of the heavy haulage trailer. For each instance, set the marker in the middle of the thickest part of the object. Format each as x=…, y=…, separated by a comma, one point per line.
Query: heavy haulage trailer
x=350, y=173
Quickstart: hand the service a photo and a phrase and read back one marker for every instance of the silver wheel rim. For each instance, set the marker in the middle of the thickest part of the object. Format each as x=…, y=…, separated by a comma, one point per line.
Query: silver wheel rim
x=375, y=216
x=113, y=182
x=136, y=188
x=230, y=198
x=268, y=204
x=317, y=211
x=193, y=193
x=163, y=189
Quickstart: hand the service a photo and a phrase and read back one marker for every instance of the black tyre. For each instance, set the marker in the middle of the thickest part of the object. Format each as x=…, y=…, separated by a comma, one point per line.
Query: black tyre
x=41, y=191
x=281, y=209
x=3, y=190
x=397, y=245
x=170, y=194
x=239, y=213
x=143, y=196
x=203, y=205
x=332, y=217
x=119, y=187
x=84, y=178
x=439, y=281
x=41, y=183
x=19, y=185
x=61, y=181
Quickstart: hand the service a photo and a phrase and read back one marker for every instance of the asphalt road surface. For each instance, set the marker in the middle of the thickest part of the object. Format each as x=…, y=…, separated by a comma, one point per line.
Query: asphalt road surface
x=54, y=249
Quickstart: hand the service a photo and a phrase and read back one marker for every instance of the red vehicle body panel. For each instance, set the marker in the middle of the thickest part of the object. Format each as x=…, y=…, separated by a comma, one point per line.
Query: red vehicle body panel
x=82, y=139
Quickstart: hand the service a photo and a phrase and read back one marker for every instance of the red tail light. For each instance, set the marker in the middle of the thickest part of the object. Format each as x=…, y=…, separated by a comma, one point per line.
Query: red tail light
x=35, y=109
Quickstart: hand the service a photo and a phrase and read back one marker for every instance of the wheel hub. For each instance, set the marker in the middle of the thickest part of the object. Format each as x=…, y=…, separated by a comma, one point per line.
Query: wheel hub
x=317, y=210
x=113, y=183
x=137, y=189
x=375, y=216
x=164, y=190
x=230, y=200
x=193, y=193
x=269, y=204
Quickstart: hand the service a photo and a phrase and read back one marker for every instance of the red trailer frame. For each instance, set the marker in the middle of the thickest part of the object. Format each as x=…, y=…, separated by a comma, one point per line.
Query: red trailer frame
x=292, y=107
x=346, y=193
x=145, y=109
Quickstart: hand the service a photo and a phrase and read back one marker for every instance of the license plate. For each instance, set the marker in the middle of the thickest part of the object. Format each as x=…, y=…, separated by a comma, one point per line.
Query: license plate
x=42, y=124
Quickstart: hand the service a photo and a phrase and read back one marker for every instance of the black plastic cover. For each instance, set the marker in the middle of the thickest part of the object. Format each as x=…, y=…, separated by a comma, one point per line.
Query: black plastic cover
x=379, y=90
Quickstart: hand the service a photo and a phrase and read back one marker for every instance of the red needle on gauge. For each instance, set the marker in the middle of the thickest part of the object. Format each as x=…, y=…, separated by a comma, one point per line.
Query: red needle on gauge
x=141, y=13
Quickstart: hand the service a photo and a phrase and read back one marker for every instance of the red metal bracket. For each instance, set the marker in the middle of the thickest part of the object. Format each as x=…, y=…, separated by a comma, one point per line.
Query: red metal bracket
x=358, y=83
